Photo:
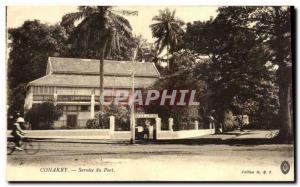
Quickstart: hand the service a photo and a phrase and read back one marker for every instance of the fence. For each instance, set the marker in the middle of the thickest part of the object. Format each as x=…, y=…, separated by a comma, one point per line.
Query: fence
x=121, y=131
x=185, y=130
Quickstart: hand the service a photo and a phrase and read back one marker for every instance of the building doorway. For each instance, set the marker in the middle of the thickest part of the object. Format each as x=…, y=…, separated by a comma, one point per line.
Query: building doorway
x=71, y=120
x=145, y=127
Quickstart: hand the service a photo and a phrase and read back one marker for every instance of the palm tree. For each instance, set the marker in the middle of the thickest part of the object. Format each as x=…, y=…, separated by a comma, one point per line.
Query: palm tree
x=98, y=28
x=167, y=29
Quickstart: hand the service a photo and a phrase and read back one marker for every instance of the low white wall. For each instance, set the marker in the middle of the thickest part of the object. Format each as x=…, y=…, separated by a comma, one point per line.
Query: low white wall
x=108, y=134
x=121, y=135
x=168, y=135
x=77, y=134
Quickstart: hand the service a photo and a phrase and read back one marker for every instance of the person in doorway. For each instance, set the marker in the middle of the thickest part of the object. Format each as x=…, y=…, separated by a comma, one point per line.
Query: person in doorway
x=151, y=130
x=17, y=132
x=147, y=127
x=140, y=132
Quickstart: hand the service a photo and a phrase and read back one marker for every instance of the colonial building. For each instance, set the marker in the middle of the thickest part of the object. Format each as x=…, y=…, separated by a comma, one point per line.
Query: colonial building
x=74, y=85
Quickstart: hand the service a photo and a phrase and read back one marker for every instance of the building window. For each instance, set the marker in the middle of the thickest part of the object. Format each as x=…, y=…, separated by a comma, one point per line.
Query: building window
x=73, y=98
x=51, y=90
x=71, y=108
x=84, y=108
x=97, y=108
x=43, y=97
x=35, y=89
x=45, y=89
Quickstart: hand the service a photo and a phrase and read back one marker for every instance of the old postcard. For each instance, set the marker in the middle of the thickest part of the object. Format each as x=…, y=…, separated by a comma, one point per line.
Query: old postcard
x=157, y=93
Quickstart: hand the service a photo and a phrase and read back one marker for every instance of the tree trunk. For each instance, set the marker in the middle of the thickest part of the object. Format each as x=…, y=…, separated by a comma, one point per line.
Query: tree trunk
x=286, y=127
x=222, y=121
x=284, y=80
x=168, y=60
x=219, y=124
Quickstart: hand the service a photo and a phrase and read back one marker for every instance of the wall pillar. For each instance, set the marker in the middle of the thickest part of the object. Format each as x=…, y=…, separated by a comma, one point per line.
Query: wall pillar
x=28, y=99
x=171, y=122
x=55, y=99
x=196, y=125
x=92, y=106
x=158, y=124
x=111, y=124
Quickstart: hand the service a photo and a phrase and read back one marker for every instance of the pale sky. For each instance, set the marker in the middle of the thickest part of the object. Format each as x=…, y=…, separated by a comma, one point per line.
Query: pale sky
x=16, y=15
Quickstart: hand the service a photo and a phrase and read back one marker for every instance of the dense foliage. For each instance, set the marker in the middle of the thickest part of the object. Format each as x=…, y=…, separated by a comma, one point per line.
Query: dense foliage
x=42, y=116
x=31, y=45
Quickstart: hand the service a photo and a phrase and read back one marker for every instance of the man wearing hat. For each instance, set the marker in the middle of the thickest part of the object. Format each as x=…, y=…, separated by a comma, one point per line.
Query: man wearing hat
x=17, y=132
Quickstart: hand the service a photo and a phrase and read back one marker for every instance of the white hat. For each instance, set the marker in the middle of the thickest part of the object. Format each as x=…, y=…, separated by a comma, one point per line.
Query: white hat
x=20, y=120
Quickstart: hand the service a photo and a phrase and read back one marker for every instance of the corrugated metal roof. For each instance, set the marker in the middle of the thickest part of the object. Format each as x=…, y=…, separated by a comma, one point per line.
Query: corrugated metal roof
x=75, y=80
x=91, y=66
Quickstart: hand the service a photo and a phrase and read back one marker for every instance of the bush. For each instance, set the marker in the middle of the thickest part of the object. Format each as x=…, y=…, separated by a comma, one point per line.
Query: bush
x=122, y=118
x=98, y=124
x=229, y=121
x=42, y=116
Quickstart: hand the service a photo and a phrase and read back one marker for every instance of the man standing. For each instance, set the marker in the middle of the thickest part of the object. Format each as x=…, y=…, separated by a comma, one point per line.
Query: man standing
x=147, y=127
x=211, y=119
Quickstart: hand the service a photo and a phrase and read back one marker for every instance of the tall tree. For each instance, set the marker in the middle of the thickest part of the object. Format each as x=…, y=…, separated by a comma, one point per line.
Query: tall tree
x=237, y=73
x=182, y=79
x=273, y=26
x=30, y=46
x=168, y=31
x=99, y=30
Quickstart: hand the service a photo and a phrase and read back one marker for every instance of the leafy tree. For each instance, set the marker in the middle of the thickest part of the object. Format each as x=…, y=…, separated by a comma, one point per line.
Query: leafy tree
x=198, y=37
x=98, y=31
x=168, y=31
x=181, y=79
x=31, y=44
x=272, y=27
x=273, y=24
x=266, y=115
x=237, y=74
x=42, y=116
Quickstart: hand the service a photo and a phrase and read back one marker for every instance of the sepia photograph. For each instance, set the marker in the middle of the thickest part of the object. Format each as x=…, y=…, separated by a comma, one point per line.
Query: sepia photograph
x=150, y=93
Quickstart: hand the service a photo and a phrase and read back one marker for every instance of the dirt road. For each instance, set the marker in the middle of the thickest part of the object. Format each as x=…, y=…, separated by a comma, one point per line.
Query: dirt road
x=153, y=162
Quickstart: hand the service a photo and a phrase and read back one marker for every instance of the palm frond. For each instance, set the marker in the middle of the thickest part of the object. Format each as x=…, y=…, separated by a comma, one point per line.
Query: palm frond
x=121, y=24
x=69, y=19
x=99, y=25
x=167, y=29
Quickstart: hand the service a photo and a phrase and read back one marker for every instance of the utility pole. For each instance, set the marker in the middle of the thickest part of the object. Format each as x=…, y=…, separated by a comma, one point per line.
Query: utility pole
x=132, y=125
x=132, y=121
